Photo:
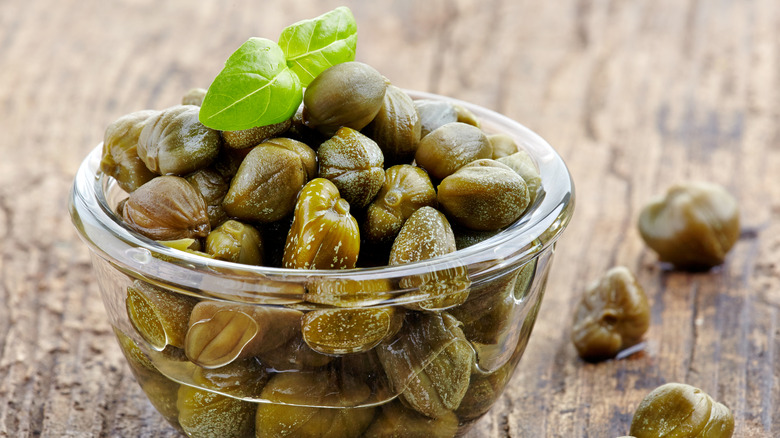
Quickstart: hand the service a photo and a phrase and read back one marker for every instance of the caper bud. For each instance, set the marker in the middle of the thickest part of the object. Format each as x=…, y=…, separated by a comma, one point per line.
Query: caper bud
x=167, y=208
x=194, y=96
x=466, y=116
x=503, y=145
x=523, y=164
x=347, y=94
x=323, y=234
x=396, y=128
x=120, y=158
x=693, y=226
x=438, y=289
x=483, y=195
x=158, y=315
x=354, y=163
x=406, y=189
x=254, y=136
x=265, y=185
x=681, y=410
x=307, y=155
x=434, y=114
x=349, y=330
x=346, y=292
x=611, y=316
x=294, y=355
x=220, y=332
x=213, y=187
x=396, y=421
x=484, y=390
x=293, y=410
x=236, y=242
x=174, y=142
x=450, y=147
x=204, y=414
x=429, y=362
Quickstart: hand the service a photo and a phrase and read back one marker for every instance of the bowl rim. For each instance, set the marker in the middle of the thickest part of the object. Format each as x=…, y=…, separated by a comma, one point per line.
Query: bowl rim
x=537, y=230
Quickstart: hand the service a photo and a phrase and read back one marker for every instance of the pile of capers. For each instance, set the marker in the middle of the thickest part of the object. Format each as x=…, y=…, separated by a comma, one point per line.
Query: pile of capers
x=360, y=176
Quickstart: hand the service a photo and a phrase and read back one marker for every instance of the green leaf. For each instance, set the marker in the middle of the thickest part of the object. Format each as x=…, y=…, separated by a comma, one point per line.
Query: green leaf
x=311, y=46
x=256, y=88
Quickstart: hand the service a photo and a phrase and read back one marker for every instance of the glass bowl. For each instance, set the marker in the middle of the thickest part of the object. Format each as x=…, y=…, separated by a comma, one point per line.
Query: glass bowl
x=244, y=366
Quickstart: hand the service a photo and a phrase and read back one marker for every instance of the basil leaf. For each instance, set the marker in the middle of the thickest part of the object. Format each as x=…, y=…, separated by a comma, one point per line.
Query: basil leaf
x=311, y=46
x=255, y=88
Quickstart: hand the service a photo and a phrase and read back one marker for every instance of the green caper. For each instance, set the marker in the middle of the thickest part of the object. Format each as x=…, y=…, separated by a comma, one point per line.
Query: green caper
x=396, y=421
x=120, y=158
x=213, y=187
x=693, y=226
x=450, y=147
x=349, y=330
x=503, y=145
x=438, y=289
x=323, y=234
x=466, y=116
x=167, y=208
x=429, y=362
x=611, y=316
x=194, y=96
x=175, y=142
x=294, y=411
x=396, y=128
x=348, y=94
x=294, y=355
x=680, y=410
x=434, y=114
x=307, y=155
x=204, y=414
x=346, y=292
x=484, y=390
x=483, y=195
x=406, y=189
x=254, y=136
x=236, y=242
x=159, y=316
x=354, y=163
x=219, y=332
x=266, y=184
x=522, y=163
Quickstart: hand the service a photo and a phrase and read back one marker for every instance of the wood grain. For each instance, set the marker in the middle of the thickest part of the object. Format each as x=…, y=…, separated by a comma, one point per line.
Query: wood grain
x=635, y=95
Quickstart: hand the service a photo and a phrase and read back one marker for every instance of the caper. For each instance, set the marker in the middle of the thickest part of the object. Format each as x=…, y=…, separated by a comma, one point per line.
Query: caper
x=213, y=187
x=483, y=195
x=242, y=378
x=220, y=333
x=236, y=242
x=438, y=289
x=681, y=410
x=396, y=128
x=265, y=185
x=450, y=147
x=522, y=163
x=254, y=136
x=204, y=414
x=167, y=208
x=396, y=421
x=354, y=163
x=294, y=355
x=194, y=96
x=346, y=292
x=323, y=234
x=347, y=94
x=294, y=411
x=174, y=142
x=693, y=226
x=487, y=314
x=429, y=362
x=406, y=189
x=466, y=116
x=307, y=155
x=484, y=390
x=434, y=114
x=158, y=315
x=160, y=390
x=611, y=316
x=120, y=158
x=349, y=330
x=503, y=145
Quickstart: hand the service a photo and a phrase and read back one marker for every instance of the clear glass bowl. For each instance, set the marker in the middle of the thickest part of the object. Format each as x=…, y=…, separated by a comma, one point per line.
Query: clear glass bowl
x=425, y=368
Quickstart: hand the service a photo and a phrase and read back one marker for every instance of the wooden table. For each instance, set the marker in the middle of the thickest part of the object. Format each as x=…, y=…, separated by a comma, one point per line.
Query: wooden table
x=636, y=95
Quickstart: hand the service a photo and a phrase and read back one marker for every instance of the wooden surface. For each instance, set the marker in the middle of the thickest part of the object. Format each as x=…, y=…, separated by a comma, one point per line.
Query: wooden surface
x=635, y=95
